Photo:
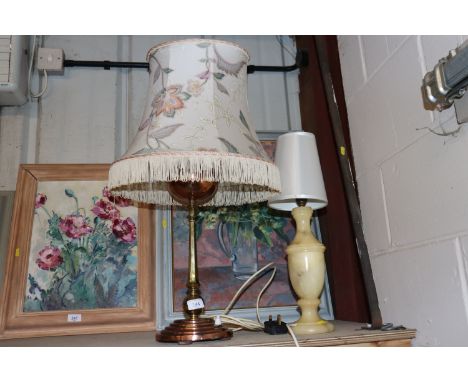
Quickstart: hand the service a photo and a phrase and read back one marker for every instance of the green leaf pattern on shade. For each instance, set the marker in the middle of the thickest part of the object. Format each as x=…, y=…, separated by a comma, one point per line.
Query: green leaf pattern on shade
x=221, y=87
x=243, y=120
x=230, y=147
x=184, y=96
x=181, y=97
x=157, y=73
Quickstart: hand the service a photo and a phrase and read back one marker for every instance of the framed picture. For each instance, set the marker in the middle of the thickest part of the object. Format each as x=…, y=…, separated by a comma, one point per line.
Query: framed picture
x=232, y=244
x=79, y=260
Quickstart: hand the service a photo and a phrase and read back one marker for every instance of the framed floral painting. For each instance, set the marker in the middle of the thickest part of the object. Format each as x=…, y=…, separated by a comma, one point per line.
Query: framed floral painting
x=80, y=260
x=232, y=244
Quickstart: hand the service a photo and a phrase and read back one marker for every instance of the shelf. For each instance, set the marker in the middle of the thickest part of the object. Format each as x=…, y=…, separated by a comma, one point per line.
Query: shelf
x=345, y=334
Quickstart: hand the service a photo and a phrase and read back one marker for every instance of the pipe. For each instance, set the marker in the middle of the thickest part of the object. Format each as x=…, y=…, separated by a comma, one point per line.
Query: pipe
x=105, y=64
x=302, y=60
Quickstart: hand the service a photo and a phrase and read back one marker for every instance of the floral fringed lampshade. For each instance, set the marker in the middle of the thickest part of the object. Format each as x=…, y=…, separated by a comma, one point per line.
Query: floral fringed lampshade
x=196, y=127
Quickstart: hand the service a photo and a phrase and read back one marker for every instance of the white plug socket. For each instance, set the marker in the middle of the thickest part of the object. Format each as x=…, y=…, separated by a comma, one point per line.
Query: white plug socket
x=50, y=59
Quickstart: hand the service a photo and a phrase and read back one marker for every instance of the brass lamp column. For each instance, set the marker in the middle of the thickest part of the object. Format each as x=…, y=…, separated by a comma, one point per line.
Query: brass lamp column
x=302, y=191
x=195, y=146
x=193, y=286
x=193, y=328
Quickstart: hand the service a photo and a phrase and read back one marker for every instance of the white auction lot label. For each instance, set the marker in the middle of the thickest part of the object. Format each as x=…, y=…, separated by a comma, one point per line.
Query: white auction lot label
x=196, y=303
x=74, y=317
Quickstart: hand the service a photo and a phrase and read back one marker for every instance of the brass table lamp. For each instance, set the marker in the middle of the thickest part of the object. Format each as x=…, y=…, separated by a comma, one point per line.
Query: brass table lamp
x=302, y=191
x=195, y=146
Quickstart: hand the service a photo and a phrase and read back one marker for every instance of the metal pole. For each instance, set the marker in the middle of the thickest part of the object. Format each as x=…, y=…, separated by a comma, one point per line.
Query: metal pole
x=301, y=60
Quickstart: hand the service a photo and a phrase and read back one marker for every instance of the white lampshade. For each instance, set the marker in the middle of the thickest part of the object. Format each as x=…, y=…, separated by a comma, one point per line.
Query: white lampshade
x=196, y=127
x=300, y=171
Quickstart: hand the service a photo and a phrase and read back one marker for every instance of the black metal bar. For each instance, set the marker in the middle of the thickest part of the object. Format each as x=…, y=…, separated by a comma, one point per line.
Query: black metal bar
x=351, y=194
x=106, y=64
x=302, y=60
x=254, y=68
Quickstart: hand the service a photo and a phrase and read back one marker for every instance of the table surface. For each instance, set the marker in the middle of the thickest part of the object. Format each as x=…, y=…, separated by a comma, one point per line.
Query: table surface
x=345, y=333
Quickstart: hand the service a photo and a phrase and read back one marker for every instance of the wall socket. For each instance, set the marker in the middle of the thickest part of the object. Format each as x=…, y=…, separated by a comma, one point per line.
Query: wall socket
x=50, y=59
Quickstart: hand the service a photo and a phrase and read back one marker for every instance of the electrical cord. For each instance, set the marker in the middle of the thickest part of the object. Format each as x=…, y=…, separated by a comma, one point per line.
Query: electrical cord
x=262, y=291
x=444, y=133
x=279, y=39
x=31, y=64
x=247, y=283
x=243, y=323
x=292, y=335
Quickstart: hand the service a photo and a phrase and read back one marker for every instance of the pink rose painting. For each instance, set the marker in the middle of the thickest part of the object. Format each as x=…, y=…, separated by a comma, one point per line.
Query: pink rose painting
x=83, y=249
x=40, y=200
x=105, y=210
x=118, y=200
x=49, y=258
x=125, y=230
x=74, y=226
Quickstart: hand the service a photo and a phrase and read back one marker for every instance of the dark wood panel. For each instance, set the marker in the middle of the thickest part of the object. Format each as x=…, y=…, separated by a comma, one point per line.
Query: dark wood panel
x=344, y=272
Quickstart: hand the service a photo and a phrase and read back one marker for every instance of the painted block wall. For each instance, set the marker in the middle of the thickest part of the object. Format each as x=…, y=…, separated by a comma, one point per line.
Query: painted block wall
x=89, y=115
x=412, y=183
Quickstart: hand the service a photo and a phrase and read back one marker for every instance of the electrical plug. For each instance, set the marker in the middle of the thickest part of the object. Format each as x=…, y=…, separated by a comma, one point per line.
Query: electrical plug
x=275, y=327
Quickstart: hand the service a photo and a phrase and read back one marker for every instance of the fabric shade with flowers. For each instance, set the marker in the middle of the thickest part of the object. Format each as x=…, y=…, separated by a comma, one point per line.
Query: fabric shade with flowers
x=196, y=127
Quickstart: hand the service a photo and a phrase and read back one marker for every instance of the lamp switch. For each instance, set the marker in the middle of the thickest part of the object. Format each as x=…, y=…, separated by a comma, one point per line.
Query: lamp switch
x=50, y=59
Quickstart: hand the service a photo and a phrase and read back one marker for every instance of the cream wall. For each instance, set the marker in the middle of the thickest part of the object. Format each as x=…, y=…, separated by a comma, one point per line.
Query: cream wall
x=413, y=184
x=89, y=115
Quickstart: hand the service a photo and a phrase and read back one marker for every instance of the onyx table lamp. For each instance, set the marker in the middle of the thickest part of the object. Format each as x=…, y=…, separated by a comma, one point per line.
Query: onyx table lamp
x=302, y=192
x=195, y=146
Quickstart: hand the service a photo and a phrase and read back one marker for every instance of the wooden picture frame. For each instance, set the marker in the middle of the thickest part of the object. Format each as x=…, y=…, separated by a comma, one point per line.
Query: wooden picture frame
x=15, y=322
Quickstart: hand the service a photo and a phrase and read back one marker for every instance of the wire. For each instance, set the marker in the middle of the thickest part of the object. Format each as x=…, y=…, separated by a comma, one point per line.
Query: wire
x=244, y=323
x=280, y=41
x=246, y=284
x=41, y=93
x=240, y=323
x=31, y=64
x=452, y=133
x=261, y=293
x=292, y=335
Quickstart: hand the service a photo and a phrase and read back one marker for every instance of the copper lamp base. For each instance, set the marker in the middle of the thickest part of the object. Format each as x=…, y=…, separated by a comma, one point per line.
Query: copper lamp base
x=191, y=330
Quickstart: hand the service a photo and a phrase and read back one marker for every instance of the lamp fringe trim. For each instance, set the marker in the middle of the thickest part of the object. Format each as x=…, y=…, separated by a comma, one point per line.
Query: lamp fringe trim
x=241, y=179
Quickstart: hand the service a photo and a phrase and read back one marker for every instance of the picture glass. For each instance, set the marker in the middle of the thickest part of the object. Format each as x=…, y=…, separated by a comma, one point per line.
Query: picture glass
x=83, y=252
x=232, y=244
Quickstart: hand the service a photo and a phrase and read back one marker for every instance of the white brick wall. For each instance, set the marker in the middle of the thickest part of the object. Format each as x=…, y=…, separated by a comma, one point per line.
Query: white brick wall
x=413, y=184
